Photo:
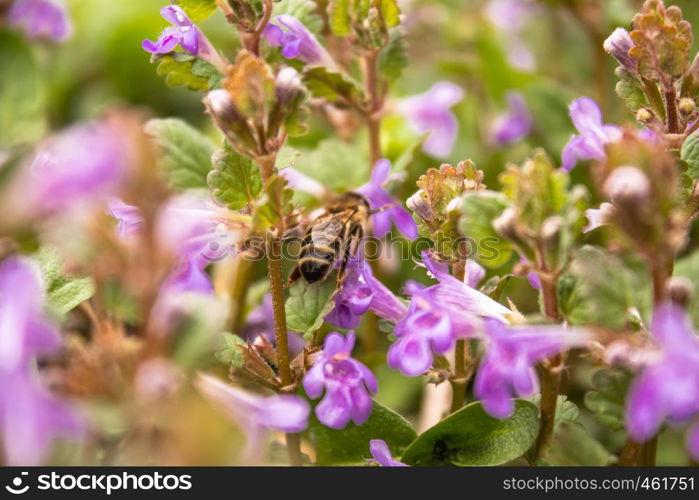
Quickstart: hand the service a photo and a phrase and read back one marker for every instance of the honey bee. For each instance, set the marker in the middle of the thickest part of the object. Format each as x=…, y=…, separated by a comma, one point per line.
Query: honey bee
x=333, y=235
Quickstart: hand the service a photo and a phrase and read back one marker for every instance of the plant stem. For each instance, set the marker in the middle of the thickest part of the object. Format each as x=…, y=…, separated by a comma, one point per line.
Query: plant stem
x=550, y=372
x=373, y=112
x=458, y=380
x=460, y=376
x=673, y=121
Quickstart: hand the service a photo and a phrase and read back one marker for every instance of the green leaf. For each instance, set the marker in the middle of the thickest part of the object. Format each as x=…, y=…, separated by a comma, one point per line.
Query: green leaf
x=230, y=350
x=22, y=97
x=599, y=289
x=339, y=16
x=235, y=180
x=630, y=90
x=332, y=156
x=182, y=69
x=393, y=58
x=690, y=154
x=271, y=209
x=608, y=399
x=479, y=210
x=390, y=12
x=63, y=292
x=573, y=446
x=566, y=411
x=472, y=437
x=329, y=85
x=351, y=444
x=186, y=152
x=197, y=10
x=308, y=304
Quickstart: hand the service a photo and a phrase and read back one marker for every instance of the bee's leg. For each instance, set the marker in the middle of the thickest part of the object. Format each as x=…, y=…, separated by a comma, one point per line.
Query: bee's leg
x=293, y=277
x=356, y=236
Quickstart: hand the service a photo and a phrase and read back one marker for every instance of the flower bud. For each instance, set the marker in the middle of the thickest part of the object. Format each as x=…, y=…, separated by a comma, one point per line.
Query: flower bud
x=680, y=290
x=627, y=186
x=551, y=228
x=618, y=45
x=687, y=106
x=506, y=224
x=222, y=109
x=644, y=115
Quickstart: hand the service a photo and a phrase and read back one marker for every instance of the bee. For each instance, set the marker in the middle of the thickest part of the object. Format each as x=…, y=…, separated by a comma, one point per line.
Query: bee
x=334, y=235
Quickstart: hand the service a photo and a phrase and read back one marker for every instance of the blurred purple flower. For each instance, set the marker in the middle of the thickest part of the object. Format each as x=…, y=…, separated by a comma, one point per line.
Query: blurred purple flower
x=510, y=17
x=437, y=316
x=184, y=33
x=260, y=323
x=83, y=164
x=593, y=134
x=431, y=112
x=360, y=293
x=668, y=388
x=532, y=276
x=379, y=199
x=382, y=454
x=30, y=417
x=296, y=41
x=597, y=217
x=514, y=125
x=507, y=369
x=41, y=19
x=255, y=414
x=618, y=45
x=346, y=381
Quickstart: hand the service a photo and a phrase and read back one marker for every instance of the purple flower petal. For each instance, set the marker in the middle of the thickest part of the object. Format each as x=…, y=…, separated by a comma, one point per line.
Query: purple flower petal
x=513, y=125
x=411, y=355
x=287, y=413
x=382, y=455
x=167, y=41
x=335, y=410
x=645, y=408
x=361, y=405
x=41, y=19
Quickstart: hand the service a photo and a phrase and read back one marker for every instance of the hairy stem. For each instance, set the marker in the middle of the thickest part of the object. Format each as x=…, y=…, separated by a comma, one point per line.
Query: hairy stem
x=460, y=375
x=375, y=105
x=673, y=120
x=551, y=372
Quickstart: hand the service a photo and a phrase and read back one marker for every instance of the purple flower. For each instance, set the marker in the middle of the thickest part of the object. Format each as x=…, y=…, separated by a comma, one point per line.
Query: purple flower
x=260, y=323
x=346, y=381
x=507, y=369
x=593, y=134
x=382, y=454
x=618, y=45
x=514, y=125
x=296, y=41
x=41, y=19
x=391, y=209
x=184, y=33
x=437, y=316
x=532, y=276
x=597, y=217
x=255, y=414
x=510, y=17
x=361, y=292
x=30, y=417
x=431, y=112
x=82, y=165
x=668, y=388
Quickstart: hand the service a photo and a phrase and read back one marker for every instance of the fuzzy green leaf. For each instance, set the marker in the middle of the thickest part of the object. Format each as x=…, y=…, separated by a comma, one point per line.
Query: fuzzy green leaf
x=332, y=86
x=479, y=209
x=235, y=180
x=22, y=100
x=573, y=446
x=182, y=69
x=472, y=437
x=197, y=10
x=690, y=154
x=63, y=292
x=608, y=399
x=186, y=152
x=351, y=444
x=630, y=90
x=339, y=15
x=308, y=304
x=393, y=58
x=230, y=350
